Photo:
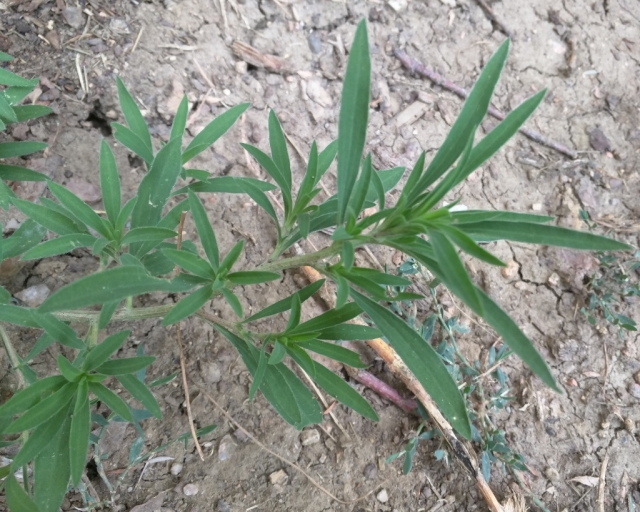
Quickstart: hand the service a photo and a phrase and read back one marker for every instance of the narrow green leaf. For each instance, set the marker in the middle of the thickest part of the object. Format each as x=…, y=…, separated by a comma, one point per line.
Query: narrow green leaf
x=260, y=198
x=296, y=310
x=52, y=471
x=141, y=393
x=473, y=216
x=6, y=111
x=541, y=234
x=17, y=173
x=15, y=94
x=46, y=217
x=349, y=332
x=106, y=313
x=233, y=301
x=342, y=293
x=131, y=141
x=17, y=315
x=17, y=499
x=180, y=120
x=260, y=371
x=333, y=351
x=414, y=177
x=28, y=235
x=40, y=438
x=79, y=435
x=102, y=352
x=422, y=360
x=285, y=304
x=309, y=180
x=304, y=224
x=330, y=318
x=356, y=203
x=226, y=184
x=213, y=131
x=68, y=371
x=99, y=246
x=278, y=145
x=44, y=410
x=27, y=112
x=332, y=384
x=58, y=330
x=111, y=400
x=380, y=278
x=61, y=245
x=467, y=244
x=515, y=338
x=81, y=210
x=109, y=182
x=105, y=286
x=277, y=354
x=454, y=275
x=273, y=170
x=132, y=114
x=30, y=396
x=125, y=213
x=9, y=78
x=190, y=262
x=163, y=380
x=147, y=234
x=378, y=186
x=354, y=113
x=205, y=230
x=124, y=365
x=188, y=306
x=252, y=277
x=325, y=159
x=231, y=257
x=347, y=255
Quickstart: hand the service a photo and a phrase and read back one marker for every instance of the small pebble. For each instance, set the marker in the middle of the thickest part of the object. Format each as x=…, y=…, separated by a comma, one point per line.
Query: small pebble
x=383, y=496
x=637, y=377
x=511, y=270
x=176, y=469
x=213, y=374
x=225, y=448
x=278, y=477
x=223, y=506
x=552, y=474
x=370, y=472
x=241, y=436
x=315, y=45
x=190, y=490
x=34, y=295
x=553, y=279
x=634, y=389
x=629, y=425
x=309, y=437
x=536, y=207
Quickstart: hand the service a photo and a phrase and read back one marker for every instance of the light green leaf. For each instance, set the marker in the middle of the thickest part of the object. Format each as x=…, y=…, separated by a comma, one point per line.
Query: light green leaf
x=233, y=301
x=124, y=365
x=17, y=173
x=252, y=277
x=141, y=393
x=260, y=371
x=347, y=255
x=132, y=114
x=109, y=182
x=106, y=313
x=333, y=351
x=278, y=145
x=180, y=120
x=68, y=371
x=103, y=351
x=44, y=409
x=9, y=78
x=188, y=306
x=17, y=315
x=354, y=113
x=356, y=203
x=52, y=471
x=226, y=184
x=40, y=438
x=231, y=257
x=111, y=400
x=48, y=218
x=349, y=332
x=17, y=499
x=329, y=319
x=325, y=159
x=277, y=354
x=81, y=210
x=30, y=396
x=205, y=230
x=310, y=175
x=285, y=304
x=133, y=142
x=147, y=234
x=79, y=435
x=28, y=235
x=27, y=112
x=273, y=170
x=191, y=263
x=61, y=245
x=467, y=244
x=6, y=111
x=422, y=360
x=296, y=310
x=213, y=131
x=473, y=216
x=58, y=330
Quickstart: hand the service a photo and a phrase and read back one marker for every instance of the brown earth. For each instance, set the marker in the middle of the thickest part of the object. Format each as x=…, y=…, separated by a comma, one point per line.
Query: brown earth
x=587, y=53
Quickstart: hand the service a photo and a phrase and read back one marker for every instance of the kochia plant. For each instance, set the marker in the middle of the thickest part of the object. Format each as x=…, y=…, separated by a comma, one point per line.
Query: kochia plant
x=138, y=250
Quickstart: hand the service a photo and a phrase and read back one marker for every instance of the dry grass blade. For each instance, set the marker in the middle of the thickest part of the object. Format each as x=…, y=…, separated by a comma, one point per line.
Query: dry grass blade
x=256, y=58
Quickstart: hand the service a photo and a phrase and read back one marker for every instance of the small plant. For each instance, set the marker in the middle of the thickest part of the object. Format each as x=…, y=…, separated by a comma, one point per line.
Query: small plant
x=138, y=249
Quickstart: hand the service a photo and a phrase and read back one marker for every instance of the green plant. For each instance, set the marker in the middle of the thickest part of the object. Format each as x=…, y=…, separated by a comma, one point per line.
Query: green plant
x=138, y=251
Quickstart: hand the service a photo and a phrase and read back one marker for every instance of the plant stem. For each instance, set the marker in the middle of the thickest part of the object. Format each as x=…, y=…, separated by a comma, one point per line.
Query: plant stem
x=13, y=356
x=302, y=260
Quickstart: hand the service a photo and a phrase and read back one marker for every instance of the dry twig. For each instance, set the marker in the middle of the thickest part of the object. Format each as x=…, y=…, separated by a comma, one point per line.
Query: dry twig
x=492, y=16
x=602, y=481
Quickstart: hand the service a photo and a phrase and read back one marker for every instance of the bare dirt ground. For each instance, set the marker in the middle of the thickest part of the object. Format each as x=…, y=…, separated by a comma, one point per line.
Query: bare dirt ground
x=586, y=52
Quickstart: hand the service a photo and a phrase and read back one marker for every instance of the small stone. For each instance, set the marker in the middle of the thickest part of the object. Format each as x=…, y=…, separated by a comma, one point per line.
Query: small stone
x=398, y=5
x=213, y=374
x=190, y=490
x=511, y=270
x=382, y=496
x=278, y=477
x=553, y=279
x=111, y=114
x=599, y=140
x=571, y=382
x=223, y=506
x=10, y=226
x=370, y=472
x=309, y=437
x=119, y=26
x=634, y=389
x=552, y=474
x=20, y=131
x=53, y=38
x=629, y=425
x=73, y=17
x=241, y=436
x=226, y=447
x=637, y=377
x=176, y=469
x=34, y=295
x=315, y=45
x=241, y=67
x=536, y=207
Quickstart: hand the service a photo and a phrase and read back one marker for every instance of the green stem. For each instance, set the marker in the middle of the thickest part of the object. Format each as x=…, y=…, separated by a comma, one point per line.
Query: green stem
x=302, y=260
x=13, y=356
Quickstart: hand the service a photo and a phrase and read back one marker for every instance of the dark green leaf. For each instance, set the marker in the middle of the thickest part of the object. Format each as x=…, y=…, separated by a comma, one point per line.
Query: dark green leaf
x=46, y=217
x=278, y=145
x=233, y=301
x=52, y=471
x=61, y=245
x=102, y=352
x=349, y=332
x=231, y=257
x=252, y=277
x=541, y=234
x=423, y=361
x=415, y=175
x=454, y=275
x=188, y=306
x=378, y=186
x=226, y=184
x=27, y=112
x=356, y=203
x=260, y=371
x=180, y=120
x=310, y=175
x=354, y=112
x=380, y=278
x=99, y=245
x=329, y=319
x=79, y=436
x=342, y=293
x=273, y=170
x=58, y=330
x=68, y=371
x=296, y=310
x=130, y=140
x=17, y=499
x=128, y=260
x=9, y=78
x=303, y=224
x=473, y=111
x=109, y=182
x=147, y=234
x=213, y=131
x=333, y=351
x=325, y=159
x=16, y=173
x=111, y=400
x=28, y=235
x=205, y=230
x=347, y=255
x=17, y=315
x=133, y=115
x=30, y=396
x=163, y=380
x=125, y=213
x=285, y=304
x=44, y=409
x=105, y=286
x=473, y=216
x=467, y=244
x=22, y=148
x=141, y=393
x=332, y=384
x=6, y=111
x=190, y=262
x=277, y=354
x=106, y=313
x=125, y=365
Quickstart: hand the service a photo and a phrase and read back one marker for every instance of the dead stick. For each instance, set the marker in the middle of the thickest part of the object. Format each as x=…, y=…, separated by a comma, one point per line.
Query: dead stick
x=416, y=67
x=492, y=16
x=461, y=452
x=602, y=481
